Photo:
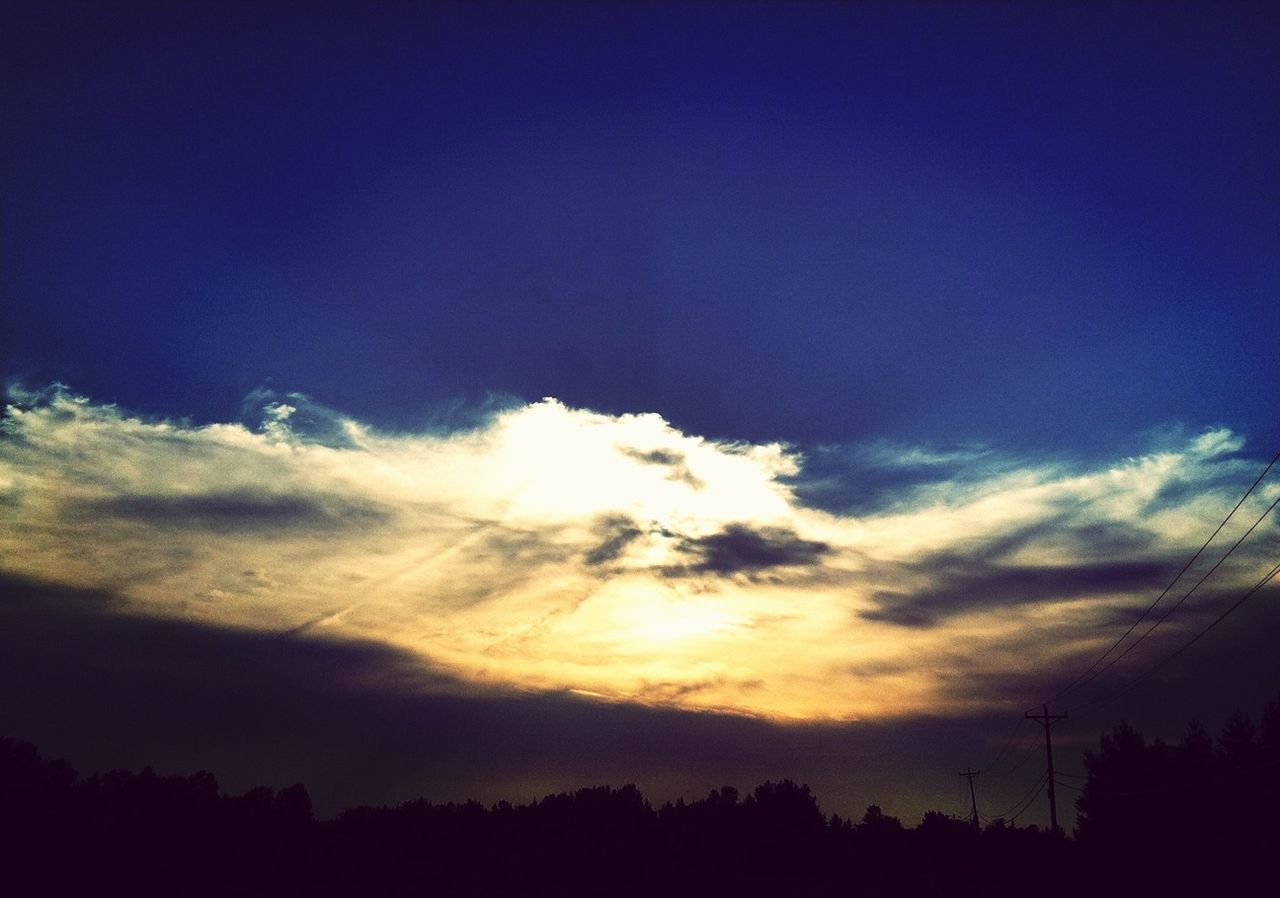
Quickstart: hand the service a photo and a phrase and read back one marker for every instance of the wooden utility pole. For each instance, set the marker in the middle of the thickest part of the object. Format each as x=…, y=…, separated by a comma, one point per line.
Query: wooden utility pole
x=1047, y=719
x=973, y=798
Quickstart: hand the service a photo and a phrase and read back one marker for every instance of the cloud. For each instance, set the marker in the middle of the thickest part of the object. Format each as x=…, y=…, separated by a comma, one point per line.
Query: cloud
x=739, y=548
x=235, y=511
x=617, y=533
x=548, y=550
x=359, y=722
x=674, y=461
x=961, y=586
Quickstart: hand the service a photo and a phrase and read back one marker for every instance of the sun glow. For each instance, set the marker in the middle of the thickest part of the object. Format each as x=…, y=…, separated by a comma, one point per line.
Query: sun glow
x=662, y=622
x=560, y=549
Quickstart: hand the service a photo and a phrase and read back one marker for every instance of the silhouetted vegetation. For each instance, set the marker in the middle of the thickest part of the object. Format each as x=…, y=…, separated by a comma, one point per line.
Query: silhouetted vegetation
x=1197, y=814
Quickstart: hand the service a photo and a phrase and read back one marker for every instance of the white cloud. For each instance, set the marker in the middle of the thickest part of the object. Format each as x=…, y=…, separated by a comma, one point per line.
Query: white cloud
x=562, y=549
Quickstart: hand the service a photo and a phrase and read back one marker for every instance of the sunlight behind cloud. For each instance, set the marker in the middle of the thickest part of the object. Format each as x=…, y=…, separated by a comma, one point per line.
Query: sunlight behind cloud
x=558, y=549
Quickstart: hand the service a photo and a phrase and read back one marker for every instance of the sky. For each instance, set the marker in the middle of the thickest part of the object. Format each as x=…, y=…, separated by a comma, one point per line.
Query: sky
x=491, y=399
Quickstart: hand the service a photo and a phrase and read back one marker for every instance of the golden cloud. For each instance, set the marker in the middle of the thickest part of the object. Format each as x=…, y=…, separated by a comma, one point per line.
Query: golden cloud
x=553, y=548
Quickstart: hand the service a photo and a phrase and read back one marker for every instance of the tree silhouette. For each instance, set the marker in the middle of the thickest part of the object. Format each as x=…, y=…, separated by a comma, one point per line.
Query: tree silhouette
x=1196, y=800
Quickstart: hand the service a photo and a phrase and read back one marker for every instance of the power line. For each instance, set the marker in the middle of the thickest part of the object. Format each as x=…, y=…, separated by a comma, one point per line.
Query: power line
x=1027, y=750
x=1022, y=803
x=1094, y=670
x=1178, y=604
x=1080, y=678
x=1048, y=720
x=1025, y=799
x=969, y=774
x=1105, y=699
x=1050, y=779
x=1013, y=757
x=1005, y=748
x=1030, y=802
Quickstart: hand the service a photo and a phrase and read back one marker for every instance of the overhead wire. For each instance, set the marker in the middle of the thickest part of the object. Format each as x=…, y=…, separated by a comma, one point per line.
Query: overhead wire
x=1101, y=664
x=1178, y=604
x=1077, y=681
x=1007, y=743
x=1022, y=803
x=992, y=768
x=1116, y=693
x=1026, y=807
x=1027, y=751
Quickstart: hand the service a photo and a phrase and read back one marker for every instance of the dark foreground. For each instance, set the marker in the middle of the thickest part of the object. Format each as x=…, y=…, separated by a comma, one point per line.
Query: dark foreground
x=1200, y=817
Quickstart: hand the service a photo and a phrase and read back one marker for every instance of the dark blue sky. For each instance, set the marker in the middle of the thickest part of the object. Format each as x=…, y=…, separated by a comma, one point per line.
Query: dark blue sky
x=1041, y=226
x=1014, y=231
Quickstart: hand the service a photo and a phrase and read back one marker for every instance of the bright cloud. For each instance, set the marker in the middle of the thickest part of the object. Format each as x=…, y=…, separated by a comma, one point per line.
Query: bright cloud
x=552, y=548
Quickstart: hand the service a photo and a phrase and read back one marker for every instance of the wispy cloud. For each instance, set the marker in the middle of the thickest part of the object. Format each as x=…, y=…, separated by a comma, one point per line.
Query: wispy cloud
x=545, y=548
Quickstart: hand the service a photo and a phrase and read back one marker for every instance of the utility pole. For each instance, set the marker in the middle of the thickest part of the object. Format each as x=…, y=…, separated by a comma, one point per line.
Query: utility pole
x=973, y=798
x=1047, y=719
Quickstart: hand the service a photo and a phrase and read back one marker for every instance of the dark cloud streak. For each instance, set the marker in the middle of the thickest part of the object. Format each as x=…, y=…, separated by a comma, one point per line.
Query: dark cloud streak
x=618, y=532
x=739, y=548
x=963, y=585
x=675, y=461
x=360, y=723
x=236, y=511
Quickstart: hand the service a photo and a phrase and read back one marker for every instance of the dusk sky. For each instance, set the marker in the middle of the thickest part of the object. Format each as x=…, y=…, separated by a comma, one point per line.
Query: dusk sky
x=485, y=400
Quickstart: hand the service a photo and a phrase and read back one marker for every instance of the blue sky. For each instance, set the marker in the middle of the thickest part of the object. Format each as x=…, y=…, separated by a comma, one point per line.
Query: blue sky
x=948, y=330
x=1049, y=227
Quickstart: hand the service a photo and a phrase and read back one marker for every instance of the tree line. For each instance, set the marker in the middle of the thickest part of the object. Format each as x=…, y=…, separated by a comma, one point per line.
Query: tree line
x=1151, y=814
x=1195, y=816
